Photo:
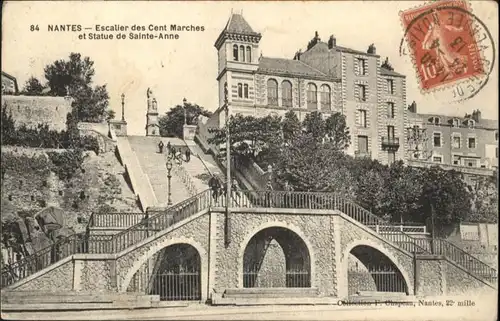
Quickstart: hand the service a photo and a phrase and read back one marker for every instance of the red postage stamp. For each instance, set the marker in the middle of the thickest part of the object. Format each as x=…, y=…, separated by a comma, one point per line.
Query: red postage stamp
x=442, y=41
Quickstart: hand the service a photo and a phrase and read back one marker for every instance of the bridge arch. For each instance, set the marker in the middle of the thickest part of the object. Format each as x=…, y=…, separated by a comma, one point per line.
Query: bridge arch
x=157, y=247
x=273, y=228
x=343, y=272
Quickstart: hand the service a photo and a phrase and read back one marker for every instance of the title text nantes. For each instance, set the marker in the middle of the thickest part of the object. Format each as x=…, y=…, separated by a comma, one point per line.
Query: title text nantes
x=141, y=32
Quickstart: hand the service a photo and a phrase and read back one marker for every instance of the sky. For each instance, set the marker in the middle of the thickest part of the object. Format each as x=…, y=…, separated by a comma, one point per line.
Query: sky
x=187, y=67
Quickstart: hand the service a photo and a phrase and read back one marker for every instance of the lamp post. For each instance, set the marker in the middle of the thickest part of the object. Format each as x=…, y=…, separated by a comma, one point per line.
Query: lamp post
x=185, y=117
x=227, y=224
x=123, y=107
x=169, y=176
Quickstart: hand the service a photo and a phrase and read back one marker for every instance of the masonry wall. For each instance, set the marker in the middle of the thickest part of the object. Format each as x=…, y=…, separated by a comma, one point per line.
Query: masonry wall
x=318, y=233
x=34, y=110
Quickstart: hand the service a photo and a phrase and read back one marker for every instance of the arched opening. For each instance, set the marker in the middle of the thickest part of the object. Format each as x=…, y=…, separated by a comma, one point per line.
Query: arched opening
x=235, y=52
x=276, y=257
x=272, y=92
x=249, y=54
x=242, y=53
x=325, y=97
x=174, y=273
x=369, y=270
x=312, y=96
x=286, y=88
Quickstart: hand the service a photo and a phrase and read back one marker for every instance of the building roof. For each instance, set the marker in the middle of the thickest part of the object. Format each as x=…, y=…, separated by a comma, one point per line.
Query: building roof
x=448, y=119
x=237, y=25
x=289, y=67
x=387, y=72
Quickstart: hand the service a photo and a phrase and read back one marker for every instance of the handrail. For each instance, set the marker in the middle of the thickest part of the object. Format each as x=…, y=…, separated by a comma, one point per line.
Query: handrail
x=185, y=178
x=73, y=244
x=158, y=222
x=115, y=219
x=471, y=263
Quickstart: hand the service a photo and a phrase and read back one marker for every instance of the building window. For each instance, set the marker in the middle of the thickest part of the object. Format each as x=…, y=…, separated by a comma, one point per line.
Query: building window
x=437, y=139
x=325, y=97
x=272, y=92
x=472, y=142
x=471, y=123
x=456, y=141
x=456, y=160
x=363, y=144
x=391, y=157
x=249, y=54
x=496, y=136
x=390, y=132
x=286, y=88
x=362, y=118
x=245, y=91
x=235, y=53
x=312, y=96
x=362, y=66
x=390, y=86
x=242, y=53
x=434, y=120
x=437, y=159
x=456, y=122
x=362, y=92
x=390, y=110
x=240, y=90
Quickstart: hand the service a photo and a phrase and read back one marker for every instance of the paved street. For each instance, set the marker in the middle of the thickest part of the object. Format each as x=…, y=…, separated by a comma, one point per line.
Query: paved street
x=483, y=310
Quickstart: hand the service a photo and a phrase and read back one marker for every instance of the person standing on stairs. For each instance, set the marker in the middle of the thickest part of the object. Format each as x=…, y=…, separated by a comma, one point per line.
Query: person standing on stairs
x=214, y=185
x=236, y=190
x=160, y=147
x=169, y=146
x=188, y=155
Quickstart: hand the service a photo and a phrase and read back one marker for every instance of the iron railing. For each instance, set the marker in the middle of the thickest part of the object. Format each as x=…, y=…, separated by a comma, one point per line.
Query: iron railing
x=186, y=179
x=385, y=278
x=176, y=286
x=158, y=222
x=73, y=244
x=115, y=219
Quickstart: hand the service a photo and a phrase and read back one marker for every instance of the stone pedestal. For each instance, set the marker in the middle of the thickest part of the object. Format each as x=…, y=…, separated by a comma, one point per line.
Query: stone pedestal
x=189, y=131
x=119, y=127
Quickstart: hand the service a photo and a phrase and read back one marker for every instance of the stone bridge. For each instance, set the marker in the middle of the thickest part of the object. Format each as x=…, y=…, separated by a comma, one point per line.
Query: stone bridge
x=307, y=251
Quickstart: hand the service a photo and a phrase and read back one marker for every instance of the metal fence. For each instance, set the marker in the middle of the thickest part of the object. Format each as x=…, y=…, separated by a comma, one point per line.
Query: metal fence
x=385, y=277
x=115, y=219
x=293, y=279
x=176, y=286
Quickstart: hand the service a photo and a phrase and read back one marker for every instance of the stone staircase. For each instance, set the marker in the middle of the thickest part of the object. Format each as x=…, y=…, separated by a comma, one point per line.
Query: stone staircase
x=153, y=164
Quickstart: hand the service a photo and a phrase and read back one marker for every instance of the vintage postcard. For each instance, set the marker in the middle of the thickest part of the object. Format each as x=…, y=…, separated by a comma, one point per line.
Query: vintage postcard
x=249, y=160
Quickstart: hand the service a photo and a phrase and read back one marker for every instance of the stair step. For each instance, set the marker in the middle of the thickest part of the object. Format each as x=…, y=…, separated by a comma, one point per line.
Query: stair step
x=270, y=292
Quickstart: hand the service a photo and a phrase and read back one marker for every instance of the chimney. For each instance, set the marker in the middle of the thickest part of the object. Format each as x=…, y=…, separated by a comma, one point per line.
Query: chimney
x=412, y=107
x=332, y=42
x=372, y=50
x=476, y=115
x=297, y=55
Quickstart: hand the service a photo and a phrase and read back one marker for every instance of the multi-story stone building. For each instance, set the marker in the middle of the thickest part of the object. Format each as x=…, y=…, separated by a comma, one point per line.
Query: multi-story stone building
x=325, y=77
x=468, y=144
x=9, y=84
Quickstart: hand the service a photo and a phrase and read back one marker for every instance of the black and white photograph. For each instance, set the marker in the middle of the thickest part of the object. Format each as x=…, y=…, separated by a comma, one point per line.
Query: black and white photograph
x=249, y=160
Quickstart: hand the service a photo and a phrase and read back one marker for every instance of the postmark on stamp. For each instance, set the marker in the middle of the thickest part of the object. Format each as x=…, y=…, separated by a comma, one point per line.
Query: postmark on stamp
x=451, y=49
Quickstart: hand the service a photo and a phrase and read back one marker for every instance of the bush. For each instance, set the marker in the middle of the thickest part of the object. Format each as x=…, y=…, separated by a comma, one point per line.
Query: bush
x=67, y=163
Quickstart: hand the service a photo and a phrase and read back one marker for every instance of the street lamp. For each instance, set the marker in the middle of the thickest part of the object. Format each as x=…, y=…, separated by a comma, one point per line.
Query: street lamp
x=227, y=239
x=169, y=176
x=123, y=107
x=185, y=118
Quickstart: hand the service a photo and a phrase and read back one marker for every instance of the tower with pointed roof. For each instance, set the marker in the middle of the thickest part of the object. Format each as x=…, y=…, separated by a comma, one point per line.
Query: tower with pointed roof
x=237, y=47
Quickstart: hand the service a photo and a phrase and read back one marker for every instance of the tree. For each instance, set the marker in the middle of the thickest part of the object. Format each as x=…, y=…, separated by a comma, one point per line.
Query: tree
x=291, y=126
x=171, y=124
x=337, y=131
x=308, y=165
x=484, y=195
x=448, y=194
x=33, y=87
x=74, y=77
x=315, y=125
